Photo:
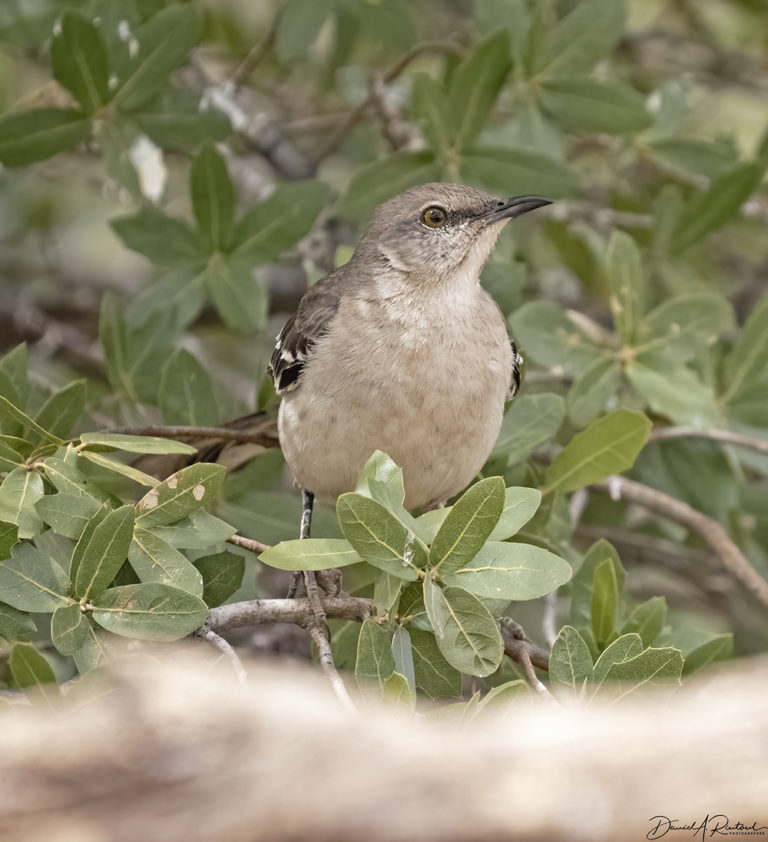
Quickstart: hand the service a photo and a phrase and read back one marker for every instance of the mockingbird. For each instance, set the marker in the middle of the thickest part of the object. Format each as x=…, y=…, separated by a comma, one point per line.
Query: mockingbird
x=401, y=350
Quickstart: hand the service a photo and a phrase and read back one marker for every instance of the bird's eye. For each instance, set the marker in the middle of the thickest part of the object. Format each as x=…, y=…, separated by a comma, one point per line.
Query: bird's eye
x=434, y=217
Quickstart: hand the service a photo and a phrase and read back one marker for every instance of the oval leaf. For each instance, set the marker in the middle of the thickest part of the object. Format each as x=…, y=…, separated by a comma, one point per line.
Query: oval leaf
x=69, y=628
x=149, y=611
x=105, y=552
x=511, y=571
x=467, y=527
x=465, y=630
x=181, y=494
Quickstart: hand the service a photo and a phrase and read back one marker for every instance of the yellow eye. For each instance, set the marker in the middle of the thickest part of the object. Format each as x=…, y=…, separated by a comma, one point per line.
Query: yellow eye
x=434, y=217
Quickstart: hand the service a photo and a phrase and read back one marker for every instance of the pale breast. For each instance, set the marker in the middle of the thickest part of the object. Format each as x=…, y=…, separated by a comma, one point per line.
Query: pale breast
x=429, y=391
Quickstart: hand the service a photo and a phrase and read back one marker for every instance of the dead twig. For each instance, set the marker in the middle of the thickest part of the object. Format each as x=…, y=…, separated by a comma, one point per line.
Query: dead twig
x=184, y=432
x=732, y=558
x=723, y=436
x=226, y=649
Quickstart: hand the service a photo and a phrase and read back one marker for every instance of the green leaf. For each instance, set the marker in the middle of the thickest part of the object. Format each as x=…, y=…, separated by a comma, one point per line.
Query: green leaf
x=135, y=351
x=411, y=609
x=186, y=392
x=149, y=611
x=163, y=239
x=13, y=367
x=434, y=676
x=199, y=531
x=431, y=109
x=155, y=560
x=590, y=394
x=570, y=662
x=69, y=628
x=272, y=227
x=164, y=43
x=530, y=421
x=213, y=198
x=748, y=360
x=119, y=468
x=179, y=119
x=717, y=648
x=693, y=155
x=181, y=494
x=627, y=279
x=520, y=505
x=681, y=328
x=510, y=571
x=582, y=38
x=67, y=514
x=401, y=652
x=622, y=649
x=15, y=624
x=104, y=554
x=467, y=527
x=378, y=181
x=10, y=459
x=397, y=691
x=82, y=543
x=605, y=601
x=138, y=444
x=9, y=536
x=592, y=105
x=386, y=592
x=96, y=651
x=240, y=300
x=298, y=26
x=19, y=492
x=382, y=480
x=29, y=136
x=646, y=673
x=547, y=333
x=222, y=575
x=30, y=669
x=13, y=413
x=62, y=409
x=465, y=630
x=310, y=554
x=676, y=393
x=375, y=662
x=647, y=620
x=79, y=60
x=708, y=211
x=608, y=446
x=30, y=580
x=517, y=170
x=379, y=538
x=583, y=580
x=474, y=86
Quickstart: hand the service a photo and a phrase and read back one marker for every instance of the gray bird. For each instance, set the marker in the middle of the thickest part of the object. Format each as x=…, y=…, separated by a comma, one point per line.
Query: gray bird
x=401, y=350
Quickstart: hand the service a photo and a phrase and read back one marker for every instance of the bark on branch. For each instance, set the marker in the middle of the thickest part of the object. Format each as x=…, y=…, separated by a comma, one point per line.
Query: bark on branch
x=732, y=558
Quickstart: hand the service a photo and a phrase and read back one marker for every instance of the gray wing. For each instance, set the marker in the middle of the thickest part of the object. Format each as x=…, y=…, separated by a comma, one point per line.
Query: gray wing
x=310, y=321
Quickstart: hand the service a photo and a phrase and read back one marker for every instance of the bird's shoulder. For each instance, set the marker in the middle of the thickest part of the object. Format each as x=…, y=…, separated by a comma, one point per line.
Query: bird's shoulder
x=304, y=328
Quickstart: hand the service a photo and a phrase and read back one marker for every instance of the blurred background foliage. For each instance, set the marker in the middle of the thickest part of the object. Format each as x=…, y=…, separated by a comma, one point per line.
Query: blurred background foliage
x=176, y=174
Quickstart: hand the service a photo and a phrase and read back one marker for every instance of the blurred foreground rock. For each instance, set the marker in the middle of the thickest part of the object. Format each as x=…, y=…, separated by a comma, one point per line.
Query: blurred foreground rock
x=174, y=751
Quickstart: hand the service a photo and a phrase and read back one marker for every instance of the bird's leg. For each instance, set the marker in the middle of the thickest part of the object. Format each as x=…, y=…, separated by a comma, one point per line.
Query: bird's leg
x=308, y=500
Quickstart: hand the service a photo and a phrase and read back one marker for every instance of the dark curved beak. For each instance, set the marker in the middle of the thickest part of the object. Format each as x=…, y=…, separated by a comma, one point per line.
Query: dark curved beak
x=516, y=206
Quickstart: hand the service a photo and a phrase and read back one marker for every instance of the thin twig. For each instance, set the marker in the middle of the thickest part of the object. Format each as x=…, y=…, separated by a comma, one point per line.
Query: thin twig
x=517, y=646
x=226, y=649
x=724, y=436
x=356, y=115
x=732, y=558
x=185, y=432
x=248, y=544
x=255, y=55
x=328, y=666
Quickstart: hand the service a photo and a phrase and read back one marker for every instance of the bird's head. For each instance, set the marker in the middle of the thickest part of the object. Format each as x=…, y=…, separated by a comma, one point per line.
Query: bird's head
x=438, y=230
